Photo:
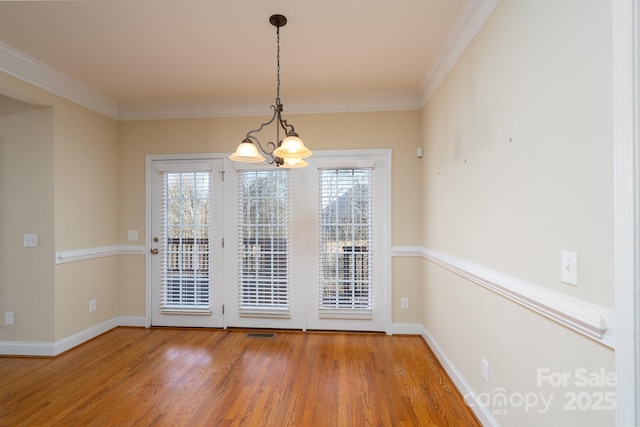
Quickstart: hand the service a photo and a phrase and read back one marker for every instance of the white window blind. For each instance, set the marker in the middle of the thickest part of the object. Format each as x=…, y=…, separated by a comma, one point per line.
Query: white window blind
x=263, y=222
x=345, y=237
x=185, y=279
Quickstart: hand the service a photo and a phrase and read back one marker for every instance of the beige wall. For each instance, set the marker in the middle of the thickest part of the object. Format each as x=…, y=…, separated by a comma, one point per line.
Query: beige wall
x=518, y=168
x=27, y=206
x=86, y=194
x=72, y=189
x=399, y=131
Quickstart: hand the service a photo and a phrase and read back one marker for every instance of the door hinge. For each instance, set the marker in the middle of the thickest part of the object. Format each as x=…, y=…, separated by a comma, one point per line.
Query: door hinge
x=222, y=308
x=223, y=242
x=222, y=174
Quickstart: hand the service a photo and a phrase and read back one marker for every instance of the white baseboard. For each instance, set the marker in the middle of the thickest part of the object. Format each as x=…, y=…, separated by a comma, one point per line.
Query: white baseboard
x=133, y=321
x=465, y=389
x=406, y=329
x=27, y=348
x=76, y=339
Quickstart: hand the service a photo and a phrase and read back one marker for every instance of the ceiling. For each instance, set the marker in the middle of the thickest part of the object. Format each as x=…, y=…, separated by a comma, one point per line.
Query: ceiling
x=171, y=57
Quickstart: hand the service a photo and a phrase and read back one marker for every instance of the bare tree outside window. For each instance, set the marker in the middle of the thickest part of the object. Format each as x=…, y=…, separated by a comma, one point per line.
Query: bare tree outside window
x=186, y=254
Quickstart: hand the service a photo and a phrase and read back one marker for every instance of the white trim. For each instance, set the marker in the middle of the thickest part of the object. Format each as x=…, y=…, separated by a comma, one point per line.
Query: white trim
x=133, y=321
x=464, y=388
x=74, y=340
x=343, y=157
x=626, y=82
x=27, y=348
x=406, y=251
x=310, y=104
x=365, y=163
x=407, y=329
x=593, y=321
x=63, y=257
x=150, y=158
x=346, y=314
x=50, y=349
x=185, y=165
x=257, y=166
x=39, y=74
x=18, y=348
x=471, y=19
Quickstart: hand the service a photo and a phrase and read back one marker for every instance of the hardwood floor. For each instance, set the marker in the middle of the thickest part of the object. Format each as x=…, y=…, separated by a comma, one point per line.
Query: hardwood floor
x=201, y=377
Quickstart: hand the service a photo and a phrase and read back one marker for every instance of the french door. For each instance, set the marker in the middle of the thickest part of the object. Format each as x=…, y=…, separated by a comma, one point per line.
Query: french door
x=303, y=249
x=186, y=243
x=311, y=245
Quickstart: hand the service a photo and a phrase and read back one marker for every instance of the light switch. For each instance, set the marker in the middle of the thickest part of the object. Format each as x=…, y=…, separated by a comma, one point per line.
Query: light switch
x=569, y=268
x=132, y=235
x=30, y=240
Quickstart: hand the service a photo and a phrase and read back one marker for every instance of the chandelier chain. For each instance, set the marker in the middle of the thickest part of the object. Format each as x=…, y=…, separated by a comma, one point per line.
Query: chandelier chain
x=278, y=64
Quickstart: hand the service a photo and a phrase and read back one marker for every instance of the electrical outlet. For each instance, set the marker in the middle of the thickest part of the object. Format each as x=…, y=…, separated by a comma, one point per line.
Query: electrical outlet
x=485, y=371
x=404, y=303
x=92, y=306
x=8, y=318
x=30, y=240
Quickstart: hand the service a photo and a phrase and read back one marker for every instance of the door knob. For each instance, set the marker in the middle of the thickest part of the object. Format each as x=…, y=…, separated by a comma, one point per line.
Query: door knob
x=154, y=251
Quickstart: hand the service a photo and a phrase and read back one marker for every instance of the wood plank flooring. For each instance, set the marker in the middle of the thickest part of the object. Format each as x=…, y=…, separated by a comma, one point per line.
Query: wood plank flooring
x=204, y=377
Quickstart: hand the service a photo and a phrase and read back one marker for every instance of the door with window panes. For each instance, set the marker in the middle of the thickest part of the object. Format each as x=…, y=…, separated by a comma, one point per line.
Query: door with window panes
x=186, y=243
x=265, y=248
x=352, y=285
x=310, y=246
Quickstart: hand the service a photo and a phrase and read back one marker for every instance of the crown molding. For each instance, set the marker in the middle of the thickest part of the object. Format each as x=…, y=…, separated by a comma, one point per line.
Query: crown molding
x=39, y=74
x=471, y=19
x=308, y=104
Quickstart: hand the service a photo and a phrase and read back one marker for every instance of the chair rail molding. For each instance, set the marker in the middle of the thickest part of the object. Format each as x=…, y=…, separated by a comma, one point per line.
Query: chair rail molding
x=593, y=321
x=63, y=257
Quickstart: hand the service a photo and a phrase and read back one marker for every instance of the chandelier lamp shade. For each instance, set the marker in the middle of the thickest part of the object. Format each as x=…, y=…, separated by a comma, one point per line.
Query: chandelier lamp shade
x=288, y=152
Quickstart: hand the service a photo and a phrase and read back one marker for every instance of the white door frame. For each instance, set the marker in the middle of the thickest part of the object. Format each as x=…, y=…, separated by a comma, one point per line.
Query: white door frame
x=626, y=84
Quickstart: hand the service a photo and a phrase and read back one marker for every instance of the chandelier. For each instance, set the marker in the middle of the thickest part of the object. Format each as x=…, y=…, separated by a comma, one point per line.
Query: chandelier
x=289, y=152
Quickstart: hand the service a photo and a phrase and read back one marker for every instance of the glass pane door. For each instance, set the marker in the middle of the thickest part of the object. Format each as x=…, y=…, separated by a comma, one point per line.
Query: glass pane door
x=185, y=244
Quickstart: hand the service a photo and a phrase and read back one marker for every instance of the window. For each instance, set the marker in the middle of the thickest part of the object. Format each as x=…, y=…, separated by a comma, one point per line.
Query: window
x=263, y=243
x=185, y=263
x=345, y=237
